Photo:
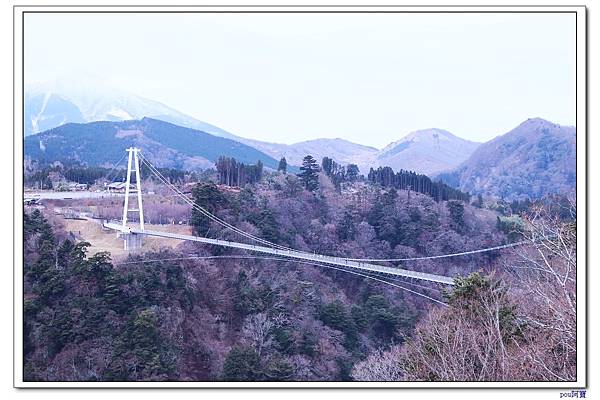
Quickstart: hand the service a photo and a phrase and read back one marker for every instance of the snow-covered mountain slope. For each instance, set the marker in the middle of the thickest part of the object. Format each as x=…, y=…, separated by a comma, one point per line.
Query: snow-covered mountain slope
x=427, y=151
x=47, y=110
x=51, y=104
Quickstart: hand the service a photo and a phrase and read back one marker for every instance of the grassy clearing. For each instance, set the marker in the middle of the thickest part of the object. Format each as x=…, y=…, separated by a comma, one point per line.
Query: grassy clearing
x=106, y=240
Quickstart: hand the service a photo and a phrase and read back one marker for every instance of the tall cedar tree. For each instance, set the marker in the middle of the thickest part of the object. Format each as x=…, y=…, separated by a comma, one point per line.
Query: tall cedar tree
x=407, y=180
x=282, y=165
x=352, y=172
x=234, y=173
x=207, y=196
x=457, y=212
x=309, y=175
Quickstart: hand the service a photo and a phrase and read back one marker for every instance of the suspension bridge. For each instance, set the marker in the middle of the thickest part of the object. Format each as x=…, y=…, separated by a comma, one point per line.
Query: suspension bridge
x=133, y=236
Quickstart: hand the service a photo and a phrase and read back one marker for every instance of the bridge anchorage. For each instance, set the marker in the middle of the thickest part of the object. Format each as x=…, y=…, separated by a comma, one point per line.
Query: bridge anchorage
x=133, y=236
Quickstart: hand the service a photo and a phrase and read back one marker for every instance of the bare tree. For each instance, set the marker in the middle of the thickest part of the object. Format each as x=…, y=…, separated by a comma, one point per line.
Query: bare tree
x=471, y=341
x=518, y=326
x=258, y=329
x=545, y=281
x=380, y=366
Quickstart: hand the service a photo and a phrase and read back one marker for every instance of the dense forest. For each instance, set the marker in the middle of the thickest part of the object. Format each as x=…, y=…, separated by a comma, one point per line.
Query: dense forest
x=173, y=315
x=234, y=173
x=409, y=180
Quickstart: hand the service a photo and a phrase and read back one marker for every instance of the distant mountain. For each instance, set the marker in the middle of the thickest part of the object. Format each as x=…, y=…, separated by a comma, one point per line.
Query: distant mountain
x=165, y=144
x=427, y=151
x=64, y=100
x=342, y=151
x=535, y=159
x=51, y=104
x=45, y=111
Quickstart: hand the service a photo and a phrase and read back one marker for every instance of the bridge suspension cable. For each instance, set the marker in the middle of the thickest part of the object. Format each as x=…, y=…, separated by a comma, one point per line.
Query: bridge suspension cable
x=378, y=279
x=235, y=256
x=350, y=265
x=239, y=231
x=463, y=253
x=130, y=232
x=205, y=212
x=114, y=169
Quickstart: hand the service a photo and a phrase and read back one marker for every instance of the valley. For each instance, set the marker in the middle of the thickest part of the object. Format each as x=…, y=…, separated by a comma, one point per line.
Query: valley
x=228, y=196
x=220, y=296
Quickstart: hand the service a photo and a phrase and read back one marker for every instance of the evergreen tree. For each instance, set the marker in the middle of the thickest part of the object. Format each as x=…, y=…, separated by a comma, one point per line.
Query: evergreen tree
x=269, y=228
x=346, y=229
x=282, y=165
x=335, y=171
x=352, y=172
x=335, y=316
x=234, y=173
x=142, y=344
x=479, y=202
x=457, y=211
x=328, y=165
x=241, y=364
x=513, y=227
x=259, y=171
x=309, y=175
x=207, y=196
x=409, y=180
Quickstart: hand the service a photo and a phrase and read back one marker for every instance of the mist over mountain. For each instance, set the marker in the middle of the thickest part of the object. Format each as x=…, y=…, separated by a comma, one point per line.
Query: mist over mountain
x=51, y=104
x=45, y=111
x=535, y=159
x=165, y=144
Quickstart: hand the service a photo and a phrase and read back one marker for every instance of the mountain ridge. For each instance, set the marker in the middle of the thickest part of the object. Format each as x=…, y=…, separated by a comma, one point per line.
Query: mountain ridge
x=432, y=151
x=165, y=144
x=427, y=151
x=534, y=159
x=51, y=104
x=341, y=150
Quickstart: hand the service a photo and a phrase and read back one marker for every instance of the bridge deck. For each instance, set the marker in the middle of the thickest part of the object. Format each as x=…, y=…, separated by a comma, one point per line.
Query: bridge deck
x=300, y=255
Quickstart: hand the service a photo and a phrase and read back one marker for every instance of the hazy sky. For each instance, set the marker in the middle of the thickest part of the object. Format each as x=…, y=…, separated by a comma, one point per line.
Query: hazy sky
x=368, y=78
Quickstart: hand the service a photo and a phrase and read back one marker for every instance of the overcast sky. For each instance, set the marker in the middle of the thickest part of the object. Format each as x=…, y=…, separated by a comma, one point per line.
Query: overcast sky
x=368, y=78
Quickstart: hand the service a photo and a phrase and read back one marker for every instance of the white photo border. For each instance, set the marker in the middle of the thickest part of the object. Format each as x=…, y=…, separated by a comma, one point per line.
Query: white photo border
x=581, y=190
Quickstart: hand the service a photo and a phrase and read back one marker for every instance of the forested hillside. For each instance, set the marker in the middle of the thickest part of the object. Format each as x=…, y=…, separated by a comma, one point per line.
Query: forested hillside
x=89, y=317
x=516, y=324
x=536, y=159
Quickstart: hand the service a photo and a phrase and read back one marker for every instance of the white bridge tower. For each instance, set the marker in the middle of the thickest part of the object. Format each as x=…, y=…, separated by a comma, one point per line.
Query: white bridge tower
x=133, y=241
